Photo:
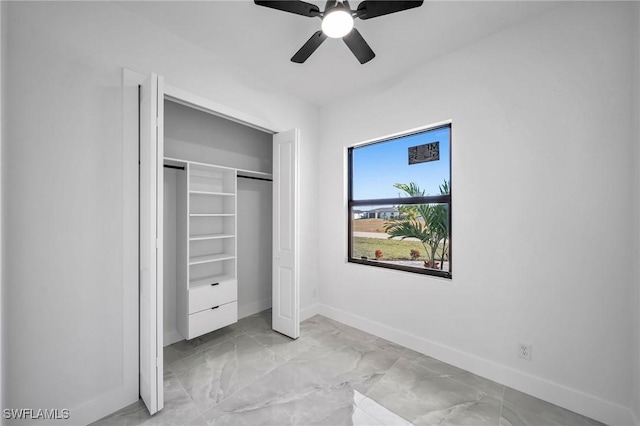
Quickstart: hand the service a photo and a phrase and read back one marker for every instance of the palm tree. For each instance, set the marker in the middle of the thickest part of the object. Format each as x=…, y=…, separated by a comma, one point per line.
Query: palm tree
x=429, y=223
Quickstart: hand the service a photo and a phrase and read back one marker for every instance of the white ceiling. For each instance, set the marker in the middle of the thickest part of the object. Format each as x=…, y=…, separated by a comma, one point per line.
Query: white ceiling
x=261, y=41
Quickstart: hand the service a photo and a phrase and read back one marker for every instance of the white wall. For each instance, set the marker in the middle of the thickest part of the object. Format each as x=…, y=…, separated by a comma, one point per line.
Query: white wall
x=63, y=200
x=255, y=207
x=169, y=263
x=197, y=136
x=544, y=195
x=3, y=63
x=636, y=113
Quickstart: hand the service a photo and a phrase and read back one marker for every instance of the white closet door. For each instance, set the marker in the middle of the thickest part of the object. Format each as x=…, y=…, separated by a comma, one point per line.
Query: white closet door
x=151, y=209
x=286, y=271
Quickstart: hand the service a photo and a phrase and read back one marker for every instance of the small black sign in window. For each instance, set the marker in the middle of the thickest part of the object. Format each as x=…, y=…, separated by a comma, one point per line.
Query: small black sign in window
x=424, y=153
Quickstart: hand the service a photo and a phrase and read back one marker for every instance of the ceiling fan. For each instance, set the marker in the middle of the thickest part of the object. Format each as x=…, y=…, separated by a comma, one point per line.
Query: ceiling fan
x=337, y=22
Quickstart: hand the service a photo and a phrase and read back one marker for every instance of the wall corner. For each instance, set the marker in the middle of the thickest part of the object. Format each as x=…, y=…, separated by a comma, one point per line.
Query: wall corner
x=3, y=62
x=635, y=132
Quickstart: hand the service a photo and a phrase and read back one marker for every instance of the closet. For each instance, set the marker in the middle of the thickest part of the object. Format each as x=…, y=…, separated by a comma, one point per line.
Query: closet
x=217, y=222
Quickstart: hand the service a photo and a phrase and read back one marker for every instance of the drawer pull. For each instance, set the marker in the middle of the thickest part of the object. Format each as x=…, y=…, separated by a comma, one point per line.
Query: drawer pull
x=213, y=284
x=215, y=307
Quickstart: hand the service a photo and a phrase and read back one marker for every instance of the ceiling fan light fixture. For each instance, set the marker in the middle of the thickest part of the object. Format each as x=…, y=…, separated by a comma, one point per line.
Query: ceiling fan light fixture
x=337, y=23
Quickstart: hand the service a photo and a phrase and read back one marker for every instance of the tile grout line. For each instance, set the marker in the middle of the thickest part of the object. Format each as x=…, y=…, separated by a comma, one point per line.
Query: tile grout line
x=501, y=405
x=245, y=386
x=200, y=412
x=234, y=393
x=198, y=352
x=366, y=395
x=175, y=376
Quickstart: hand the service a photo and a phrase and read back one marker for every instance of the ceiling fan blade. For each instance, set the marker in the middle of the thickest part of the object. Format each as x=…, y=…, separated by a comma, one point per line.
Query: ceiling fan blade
x=309, y=47
x=358, y=46
x=297, y=7
x=371, y=8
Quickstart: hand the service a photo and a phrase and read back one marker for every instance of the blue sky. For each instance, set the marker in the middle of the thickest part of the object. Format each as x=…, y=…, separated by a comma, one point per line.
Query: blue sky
x=378, y=166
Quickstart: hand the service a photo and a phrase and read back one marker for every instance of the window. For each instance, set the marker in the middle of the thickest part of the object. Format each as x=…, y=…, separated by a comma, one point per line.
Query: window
x=400, y=203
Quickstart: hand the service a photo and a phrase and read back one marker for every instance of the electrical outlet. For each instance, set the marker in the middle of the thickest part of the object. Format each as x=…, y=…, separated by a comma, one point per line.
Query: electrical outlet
x=524, y=351
x=315, y=293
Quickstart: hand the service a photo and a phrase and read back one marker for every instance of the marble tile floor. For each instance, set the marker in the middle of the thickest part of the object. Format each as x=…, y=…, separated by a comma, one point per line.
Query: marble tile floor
x=334, y=375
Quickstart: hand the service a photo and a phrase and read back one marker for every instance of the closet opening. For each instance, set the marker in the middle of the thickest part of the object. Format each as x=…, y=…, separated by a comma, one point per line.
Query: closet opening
x=218, y=227
x=217, y=222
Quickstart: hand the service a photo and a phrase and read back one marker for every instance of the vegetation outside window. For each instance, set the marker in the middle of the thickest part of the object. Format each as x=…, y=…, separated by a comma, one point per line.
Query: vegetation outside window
x=400, y=203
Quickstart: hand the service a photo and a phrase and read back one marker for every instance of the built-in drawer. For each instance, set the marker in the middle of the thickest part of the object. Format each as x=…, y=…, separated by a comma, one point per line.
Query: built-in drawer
x=212, y=319
x=208, y=296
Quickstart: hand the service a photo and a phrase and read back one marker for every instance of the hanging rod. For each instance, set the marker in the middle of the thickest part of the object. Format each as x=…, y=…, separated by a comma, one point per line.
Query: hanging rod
x=256, y=178
x=170, y=166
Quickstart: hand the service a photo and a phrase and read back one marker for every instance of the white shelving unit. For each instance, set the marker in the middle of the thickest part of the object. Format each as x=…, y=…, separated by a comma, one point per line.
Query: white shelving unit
x=207, y=285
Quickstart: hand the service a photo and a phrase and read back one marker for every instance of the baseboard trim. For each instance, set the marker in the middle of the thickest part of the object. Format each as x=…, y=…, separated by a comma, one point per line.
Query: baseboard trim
x=572, y=399
x=100, y=407
x=246, y=309
x=309, y=311
x=171, y=337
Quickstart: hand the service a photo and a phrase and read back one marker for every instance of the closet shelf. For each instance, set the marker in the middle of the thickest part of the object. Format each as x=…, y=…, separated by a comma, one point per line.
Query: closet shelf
x=207, y=281
x=245, y=172
x=210, y=237
x=196, y=260
x=226, y=194
x=207, y=266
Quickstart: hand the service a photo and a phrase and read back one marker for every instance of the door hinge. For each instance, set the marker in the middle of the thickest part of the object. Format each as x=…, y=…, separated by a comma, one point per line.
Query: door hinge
x=157, y=362
x=157, y=243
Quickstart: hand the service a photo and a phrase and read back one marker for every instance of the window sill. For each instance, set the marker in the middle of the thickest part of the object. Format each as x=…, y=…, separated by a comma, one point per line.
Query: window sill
x=387, y=265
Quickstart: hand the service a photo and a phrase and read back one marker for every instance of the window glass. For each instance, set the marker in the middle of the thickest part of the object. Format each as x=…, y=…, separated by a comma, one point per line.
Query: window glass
x=400, y=203
x=379, y=166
